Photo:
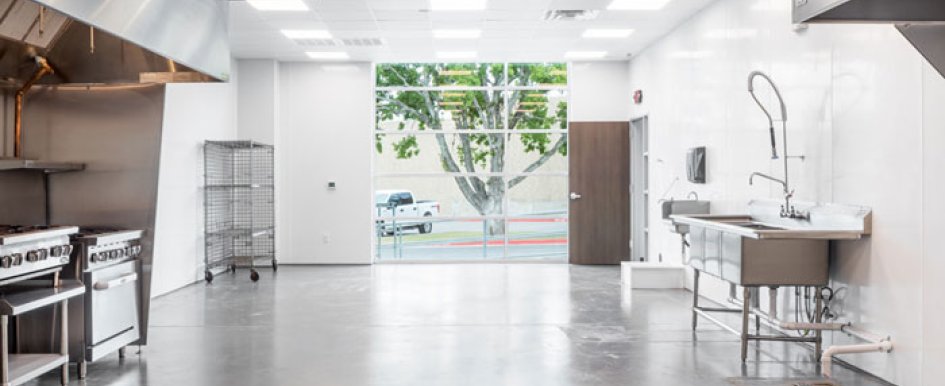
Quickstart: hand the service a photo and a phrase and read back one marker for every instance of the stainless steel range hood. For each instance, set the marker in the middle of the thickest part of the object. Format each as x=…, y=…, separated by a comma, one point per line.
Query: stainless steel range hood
x=922, y=22
x=114, y=41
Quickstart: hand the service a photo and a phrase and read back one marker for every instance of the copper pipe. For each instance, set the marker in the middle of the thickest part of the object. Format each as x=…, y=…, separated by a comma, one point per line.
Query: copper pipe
x=44, y=69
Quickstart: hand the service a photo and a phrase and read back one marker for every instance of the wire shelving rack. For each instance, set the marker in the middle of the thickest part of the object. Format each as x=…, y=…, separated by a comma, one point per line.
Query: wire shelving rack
x=239, y=207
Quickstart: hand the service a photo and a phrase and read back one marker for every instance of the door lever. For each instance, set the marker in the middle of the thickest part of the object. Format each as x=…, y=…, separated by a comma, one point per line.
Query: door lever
x=575, y=196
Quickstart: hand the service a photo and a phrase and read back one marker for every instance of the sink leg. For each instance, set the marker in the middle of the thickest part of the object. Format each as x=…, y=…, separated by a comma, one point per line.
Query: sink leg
x=746, y=312
x=695, y=299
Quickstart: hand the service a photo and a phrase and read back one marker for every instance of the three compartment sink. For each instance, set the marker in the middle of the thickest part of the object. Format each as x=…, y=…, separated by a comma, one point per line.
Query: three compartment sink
x=763, y=249
x=682, y=207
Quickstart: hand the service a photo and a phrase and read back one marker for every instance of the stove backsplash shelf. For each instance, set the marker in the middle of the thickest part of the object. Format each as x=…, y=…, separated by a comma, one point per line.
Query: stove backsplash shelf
x=48, y=167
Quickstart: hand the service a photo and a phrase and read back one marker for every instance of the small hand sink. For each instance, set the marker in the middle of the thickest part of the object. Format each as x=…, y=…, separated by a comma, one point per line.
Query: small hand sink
x=674, y=207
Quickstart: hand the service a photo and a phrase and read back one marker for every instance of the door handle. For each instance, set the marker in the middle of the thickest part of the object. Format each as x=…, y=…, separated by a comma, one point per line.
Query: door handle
x=104, y=285
x=575, y=196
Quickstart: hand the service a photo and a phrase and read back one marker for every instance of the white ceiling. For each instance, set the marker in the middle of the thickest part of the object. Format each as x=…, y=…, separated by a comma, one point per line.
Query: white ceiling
x=512, y=30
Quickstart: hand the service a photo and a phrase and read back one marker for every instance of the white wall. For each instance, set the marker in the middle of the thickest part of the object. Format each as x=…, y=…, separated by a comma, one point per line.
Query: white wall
x=258, y=100
x=599, y=92
x=326, y=117
x=861, y=106
x=193, y=113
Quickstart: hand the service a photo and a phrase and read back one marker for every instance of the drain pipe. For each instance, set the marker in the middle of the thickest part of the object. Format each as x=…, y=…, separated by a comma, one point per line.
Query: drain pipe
x=44, y=69
x=877, y=344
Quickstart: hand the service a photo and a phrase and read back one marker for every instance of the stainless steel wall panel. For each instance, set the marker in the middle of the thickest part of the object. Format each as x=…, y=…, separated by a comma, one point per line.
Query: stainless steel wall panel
x=116, y=132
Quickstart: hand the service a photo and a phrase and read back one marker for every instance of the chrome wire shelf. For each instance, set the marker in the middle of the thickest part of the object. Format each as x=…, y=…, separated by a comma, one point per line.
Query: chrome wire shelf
x=239, y=205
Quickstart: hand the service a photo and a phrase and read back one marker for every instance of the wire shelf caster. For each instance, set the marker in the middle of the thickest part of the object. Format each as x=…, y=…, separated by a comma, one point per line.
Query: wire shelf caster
x=253, y=275
x=208, y=276
x=232, y=268
x=275, y=266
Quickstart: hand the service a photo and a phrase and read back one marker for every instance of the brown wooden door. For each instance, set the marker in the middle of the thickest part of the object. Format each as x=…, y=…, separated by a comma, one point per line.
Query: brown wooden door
x=599, y=170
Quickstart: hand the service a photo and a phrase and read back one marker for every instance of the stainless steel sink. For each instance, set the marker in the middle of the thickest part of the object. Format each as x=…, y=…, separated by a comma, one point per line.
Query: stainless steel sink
x=683, y=207
x=763, y=249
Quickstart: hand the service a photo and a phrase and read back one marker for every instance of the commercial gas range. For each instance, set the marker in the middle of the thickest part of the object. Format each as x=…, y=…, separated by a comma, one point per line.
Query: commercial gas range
x=27, y=252
x=106, y=260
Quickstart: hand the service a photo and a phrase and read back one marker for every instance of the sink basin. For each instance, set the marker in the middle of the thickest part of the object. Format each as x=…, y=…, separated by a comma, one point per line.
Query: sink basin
x=764, y=249
x=682, y=207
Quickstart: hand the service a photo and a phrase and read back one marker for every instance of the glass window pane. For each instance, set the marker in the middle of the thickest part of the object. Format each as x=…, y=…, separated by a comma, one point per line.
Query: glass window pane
x=405, y=75
x=440, y=110
x=441, y=196
x=457, y=240
x=537, y=152
x=538, y=238
x=470, y=75
x=538, y=109
x=430, y=152
x=538, y=74
x=538, y=196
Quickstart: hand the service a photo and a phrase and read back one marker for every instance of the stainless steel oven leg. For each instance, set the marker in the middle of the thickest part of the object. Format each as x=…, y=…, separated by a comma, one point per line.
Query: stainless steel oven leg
x=83, y=368
x=121, y=352
x=64, y=345
x=695, y=299
x=746, y=312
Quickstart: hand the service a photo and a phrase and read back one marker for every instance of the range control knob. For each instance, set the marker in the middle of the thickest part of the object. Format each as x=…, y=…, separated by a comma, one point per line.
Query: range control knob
x=17, y=259
x=6, y=261
x=32, y=256
x=56, y=251
x=43, y=254
x=67, y=250
x=93, y=258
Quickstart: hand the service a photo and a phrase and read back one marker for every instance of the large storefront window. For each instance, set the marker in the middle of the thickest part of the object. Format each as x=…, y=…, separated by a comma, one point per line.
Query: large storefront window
x=471, y=161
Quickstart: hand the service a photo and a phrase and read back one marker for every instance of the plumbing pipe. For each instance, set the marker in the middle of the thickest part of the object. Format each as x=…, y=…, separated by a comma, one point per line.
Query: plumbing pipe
x=44, y=69
x=826, y=360
x=792, y=326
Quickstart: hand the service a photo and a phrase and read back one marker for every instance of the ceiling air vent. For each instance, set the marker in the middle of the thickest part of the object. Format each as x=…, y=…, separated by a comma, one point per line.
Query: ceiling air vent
x=317, y=42
x=571, y=14
x=362, y=42
x=354, y=42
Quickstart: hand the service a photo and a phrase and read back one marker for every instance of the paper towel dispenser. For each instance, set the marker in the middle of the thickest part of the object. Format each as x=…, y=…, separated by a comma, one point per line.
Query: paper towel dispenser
x=695, y=165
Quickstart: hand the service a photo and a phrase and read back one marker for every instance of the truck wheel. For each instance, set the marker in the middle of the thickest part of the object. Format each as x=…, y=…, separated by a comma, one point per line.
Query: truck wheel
x=426, y=227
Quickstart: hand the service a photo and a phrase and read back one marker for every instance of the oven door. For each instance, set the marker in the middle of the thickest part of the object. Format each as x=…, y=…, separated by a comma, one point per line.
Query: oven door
x=111, y=318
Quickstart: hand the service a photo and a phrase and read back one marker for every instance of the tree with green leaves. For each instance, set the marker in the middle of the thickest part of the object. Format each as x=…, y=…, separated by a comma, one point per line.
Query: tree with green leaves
x=479, y=111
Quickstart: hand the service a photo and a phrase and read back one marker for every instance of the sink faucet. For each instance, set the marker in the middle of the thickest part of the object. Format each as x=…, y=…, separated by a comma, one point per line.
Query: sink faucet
x=787, y=211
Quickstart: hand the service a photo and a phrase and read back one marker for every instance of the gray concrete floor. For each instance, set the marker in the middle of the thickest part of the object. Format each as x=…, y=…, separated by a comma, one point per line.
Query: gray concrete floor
x=443, y=325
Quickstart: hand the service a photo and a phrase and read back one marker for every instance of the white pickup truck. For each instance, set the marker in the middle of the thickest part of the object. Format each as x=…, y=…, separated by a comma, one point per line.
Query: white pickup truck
x=394, y=204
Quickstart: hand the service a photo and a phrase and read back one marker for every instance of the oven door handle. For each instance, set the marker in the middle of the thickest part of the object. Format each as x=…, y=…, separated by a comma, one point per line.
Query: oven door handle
x=107, y=284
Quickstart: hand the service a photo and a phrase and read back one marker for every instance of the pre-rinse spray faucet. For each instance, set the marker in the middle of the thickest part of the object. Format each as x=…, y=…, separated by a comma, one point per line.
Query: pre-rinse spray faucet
x=787, y=210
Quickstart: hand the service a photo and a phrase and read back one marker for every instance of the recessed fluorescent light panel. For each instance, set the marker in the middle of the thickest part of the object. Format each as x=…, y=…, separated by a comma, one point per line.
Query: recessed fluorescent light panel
x=455, y=55
x=327, y=55
x=306, y=34
x=585, y=54
x=457, y=5
x=278, y=5
x=457, y=33
x=637, y=5
x=607, y=33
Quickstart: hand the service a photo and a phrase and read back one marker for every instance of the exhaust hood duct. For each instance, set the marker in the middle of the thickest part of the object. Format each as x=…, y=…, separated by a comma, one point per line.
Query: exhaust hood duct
x=114, y=41
x=922, y=22
x=191, y=32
